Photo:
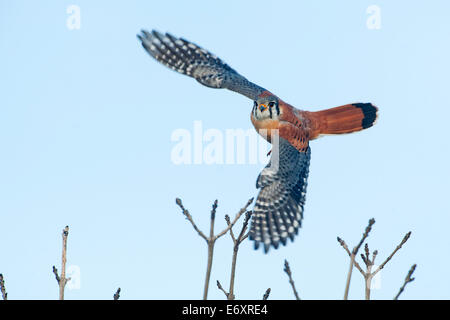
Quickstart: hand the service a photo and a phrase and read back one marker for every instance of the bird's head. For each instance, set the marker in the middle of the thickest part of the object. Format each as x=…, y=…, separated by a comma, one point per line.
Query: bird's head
x=266, y=107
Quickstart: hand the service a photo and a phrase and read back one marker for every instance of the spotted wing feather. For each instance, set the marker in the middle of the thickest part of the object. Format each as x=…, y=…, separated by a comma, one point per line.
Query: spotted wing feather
x=187, y=58
x=278, y=210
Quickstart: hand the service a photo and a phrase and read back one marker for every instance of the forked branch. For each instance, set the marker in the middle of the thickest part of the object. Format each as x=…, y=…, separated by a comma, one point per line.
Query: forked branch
x=353, y=255
x=236, y=242
x=369, y=262
x=408, y=279
x=211, y=239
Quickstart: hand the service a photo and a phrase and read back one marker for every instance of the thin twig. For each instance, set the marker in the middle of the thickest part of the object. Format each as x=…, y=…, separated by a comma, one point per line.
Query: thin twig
x=55, y=271
x=366, y=252
x=365, y=235
x=243, y=236
x=236, y=242
x=210, y=250
x=374, y=255
x=3, y=288
x=344, y=245
x=287, y=269
x=62, y=280
x=369, y=263
x=212, y=238
x=117, y=294
x=189, y=217
x=238, y=215
x=266, y=295
x=368, y=276
x=222, y=289
x=353, y=255
x=405, y=238
x=408, y=279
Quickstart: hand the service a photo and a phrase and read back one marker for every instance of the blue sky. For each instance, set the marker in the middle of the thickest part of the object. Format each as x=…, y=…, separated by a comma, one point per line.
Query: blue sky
x=85, y=139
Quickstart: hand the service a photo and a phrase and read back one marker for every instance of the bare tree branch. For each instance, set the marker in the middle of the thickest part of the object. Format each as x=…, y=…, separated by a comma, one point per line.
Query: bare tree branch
x=368, y=274
x=374, y=255
x=405, y=238
x=236, y=242
x=344, y=245
x=369, y=262
x=117, y=294
x=266, y=295
x=210, y=243
x=62, y=280
x=353, y=255
x=365, y=235
x=238, y=215
x=55, y=271
x=287, y=269
x=408, y=279
x=3, y=288
x=212, y=238
x=222, y=289
x=189, y=217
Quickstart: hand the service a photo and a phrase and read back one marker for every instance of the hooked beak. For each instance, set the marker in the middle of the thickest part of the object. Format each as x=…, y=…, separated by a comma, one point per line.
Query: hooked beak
x=262, y=107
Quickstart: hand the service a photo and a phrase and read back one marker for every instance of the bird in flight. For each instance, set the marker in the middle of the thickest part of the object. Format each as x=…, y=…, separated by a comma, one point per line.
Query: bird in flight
x=278, y=210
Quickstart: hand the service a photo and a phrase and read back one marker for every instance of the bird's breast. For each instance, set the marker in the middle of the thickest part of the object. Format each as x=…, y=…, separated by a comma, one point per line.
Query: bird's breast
x=266, y=127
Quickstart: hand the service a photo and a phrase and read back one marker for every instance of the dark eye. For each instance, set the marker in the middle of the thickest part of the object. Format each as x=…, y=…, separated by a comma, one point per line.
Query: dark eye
x=271, y=104
x=255, y=104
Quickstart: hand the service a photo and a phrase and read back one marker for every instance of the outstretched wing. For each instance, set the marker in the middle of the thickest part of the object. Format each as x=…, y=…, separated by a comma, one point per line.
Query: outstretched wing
x=278, y=210
x=187, y=58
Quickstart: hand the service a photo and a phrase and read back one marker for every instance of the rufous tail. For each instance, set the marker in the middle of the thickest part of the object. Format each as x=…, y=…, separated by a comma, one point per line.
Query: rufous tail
x=345, y=119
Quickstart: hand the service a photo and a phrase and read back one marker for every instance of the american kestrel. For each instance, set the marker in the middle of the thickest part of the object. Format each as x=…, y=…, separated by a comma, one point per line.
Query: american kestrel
x=278, y=210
